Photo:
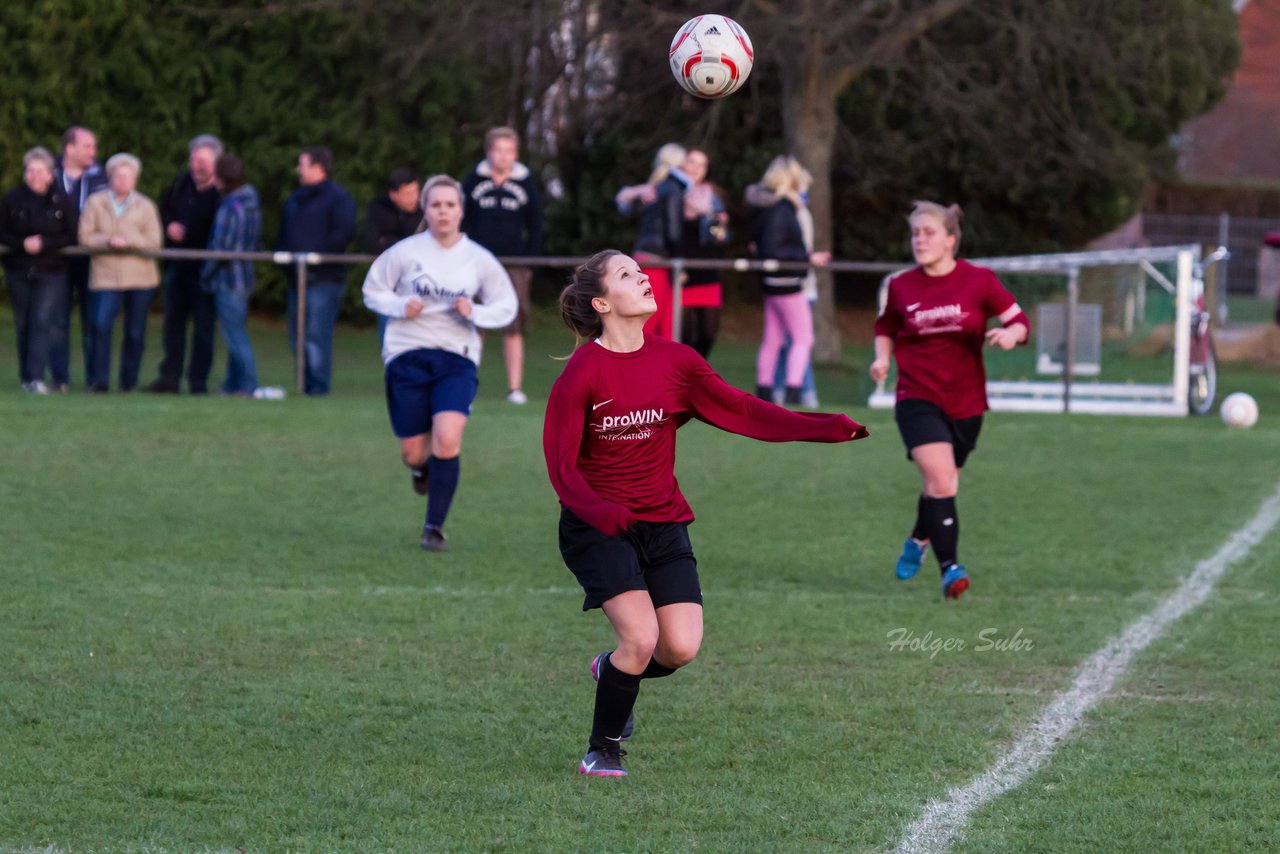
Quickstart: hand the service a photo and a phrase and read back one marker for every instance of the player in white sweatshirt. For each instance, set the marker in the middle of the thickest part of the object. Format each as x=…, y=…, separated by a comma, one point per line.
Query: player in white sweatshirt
x=438, y=288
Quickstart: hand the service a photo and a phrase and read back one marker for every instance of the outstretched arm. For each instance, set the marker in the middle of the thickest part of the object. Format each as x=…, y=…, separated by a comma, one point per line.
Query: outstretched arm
x=721, y=405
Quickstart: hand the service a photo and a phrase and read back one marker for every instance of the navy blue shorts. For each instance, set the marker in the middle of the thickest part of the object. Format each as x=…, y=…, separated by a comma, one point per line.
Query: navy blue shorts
x=653, y=556
x=421, y=383
x=922, y=422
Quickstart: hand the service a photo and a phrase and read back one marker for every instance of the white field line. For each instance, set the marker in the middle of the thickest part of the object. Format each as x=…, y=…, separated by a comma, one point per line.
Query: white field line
x=945, y=818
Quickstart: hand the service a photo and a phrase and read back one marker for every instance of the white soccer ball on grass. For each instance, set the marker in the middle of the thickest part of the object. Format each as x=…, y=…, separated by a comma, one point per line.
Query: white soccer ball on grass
x=1239, y=410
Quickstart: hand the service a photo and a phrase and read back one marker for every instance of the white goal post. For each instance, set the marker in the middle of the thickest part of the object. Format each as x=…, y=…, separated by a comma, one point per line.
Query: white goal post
x=1107, y=395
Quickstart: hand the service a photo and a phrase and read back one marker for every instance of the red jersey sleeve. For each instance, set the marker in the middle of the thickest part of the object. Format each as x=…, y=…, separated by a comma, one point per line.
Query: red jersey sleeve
x=996, y=299
x=714, y=401
x=889, y=323
x=562, y=429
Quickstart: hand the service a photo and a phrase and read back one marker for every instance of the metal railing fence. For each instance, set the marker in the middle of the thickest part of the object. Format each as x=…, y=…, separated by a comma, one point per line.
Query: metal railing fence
x=301, y=261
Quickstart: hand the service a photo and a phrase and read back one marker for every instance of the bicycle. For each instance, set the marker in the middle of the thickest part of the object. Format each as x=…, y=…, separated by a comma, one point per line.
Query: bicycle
x=1202, y=385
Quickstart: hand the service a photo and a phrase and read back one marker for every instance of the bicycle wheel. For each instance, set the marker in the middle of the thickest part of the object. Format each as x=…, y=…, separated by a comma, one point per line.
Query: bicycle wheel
x=1203, y=387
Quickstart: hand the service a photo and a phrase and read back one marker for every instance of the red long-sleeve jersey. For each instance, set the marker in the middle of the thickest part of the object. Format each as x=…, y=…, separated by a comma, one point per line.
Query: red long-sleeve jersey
x=610, y=430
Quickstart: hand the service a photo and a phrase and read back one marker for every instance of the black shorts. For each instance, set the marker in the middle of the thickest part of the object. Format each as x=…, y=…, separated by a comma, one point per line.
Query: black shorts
x=921, y=422
x=653, y=556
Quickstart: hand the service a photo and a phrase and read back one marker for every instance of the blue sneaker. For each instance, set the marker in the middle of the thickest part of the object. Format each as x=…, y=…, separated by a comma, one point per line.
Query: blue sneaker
x=954, y=582
x=913, y=553
x=631, y=718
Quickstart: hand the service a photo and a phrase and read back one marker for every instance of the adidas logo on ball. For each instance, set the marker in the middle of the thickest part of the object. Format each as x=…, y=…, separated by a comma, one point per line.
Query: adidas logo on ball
x=711, y=56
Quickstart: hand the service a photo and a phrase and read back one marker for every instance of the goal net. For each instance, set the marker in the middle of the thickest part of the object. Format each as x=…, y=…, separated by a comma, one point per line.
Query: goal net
x=1121, y=319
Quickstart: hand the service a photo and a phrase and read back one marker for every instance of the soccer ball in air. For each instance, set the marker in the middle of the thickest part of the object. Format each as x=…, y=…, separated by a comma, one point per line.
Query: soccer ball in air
x=711, y=56
x=1239, y=410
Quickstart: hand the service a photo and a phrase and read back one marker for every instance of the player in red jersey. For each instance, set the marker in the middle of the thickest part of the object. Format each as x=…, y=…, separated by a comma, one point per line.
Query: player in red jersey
x=610, y=442
x=935, y=324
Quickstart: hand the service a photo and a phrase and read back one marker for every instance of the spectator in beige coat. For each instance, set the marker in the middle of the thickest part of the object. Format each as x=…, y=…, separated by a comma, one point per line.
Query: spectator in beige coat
x=120, y=218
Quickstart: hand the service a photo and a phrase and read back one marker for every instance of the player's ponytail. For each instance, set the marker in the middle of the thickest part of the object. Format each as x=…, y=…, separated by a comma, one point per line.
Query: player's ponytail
x=586, y=284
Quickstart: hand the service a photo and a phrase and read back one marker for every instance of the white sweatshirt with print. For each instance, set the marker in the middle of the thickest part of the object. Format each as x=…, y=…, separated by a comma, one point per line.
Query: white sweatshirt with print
x=419, y=266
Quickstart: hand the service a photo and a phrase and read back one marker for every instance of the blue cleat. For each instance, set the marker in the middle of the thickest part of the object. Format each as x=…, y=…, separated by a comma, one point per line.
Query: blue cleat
x=631, y=718
x=913, y=552
x=954, y=582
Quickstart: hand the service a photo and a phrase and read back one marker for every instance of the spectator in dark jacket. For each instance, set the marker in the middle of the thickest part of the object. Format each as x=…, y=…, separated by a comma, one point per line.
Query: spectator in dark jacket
x=236, y=228
x=393, y=217
x=658, y=205
x=187, y=209
x=37, y=219
x=320, y=217
x=78, y=174
x=503, y=213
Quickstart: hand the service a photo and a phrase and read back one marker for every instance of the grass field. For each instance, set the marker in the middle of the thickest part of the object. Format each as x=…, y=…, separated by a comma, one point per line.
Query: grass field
x=219, y=633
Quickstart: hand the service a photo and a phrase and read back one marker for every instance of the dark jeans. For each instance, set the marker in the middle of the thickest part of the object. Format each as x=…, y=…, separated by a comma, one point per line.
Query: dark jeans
x=77, y=277
x=106, y=305
x=184, y=299
x=324, y=299
x=233, y=312
x=39, y=302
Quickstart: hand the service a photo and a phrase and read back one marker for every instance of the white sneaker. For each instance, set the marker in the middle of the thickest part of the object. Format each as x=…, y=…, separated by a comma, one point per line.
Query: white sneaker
x=268, y=392
x=517, y=397
x=809, y=399
x=35, y=387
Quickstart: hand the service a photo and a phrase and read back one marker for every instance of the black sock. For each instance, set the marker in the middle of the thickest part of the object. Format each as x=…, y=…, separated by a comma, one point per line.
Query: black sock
x=656, y=670
x=442, y=482
x=920, y=532
x=422, y=470
x=943, y=524
x=615, y=698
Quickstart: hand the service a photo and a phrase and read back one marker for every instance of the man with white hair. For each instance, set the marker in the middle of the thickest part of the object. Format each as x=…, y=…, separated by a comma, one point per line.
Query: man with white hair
x=187, y=210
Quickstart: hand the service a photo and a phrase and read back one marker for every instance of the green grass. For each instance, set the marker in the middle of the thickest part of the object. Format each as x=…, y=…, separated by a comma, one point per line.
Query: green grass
x=219, y=632
x=1251, y=310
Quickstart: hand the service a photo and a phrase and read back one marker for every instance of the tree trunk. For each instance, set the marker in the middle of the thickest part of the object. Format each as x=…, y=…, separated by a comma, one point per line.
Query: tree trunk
x=810, y=122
